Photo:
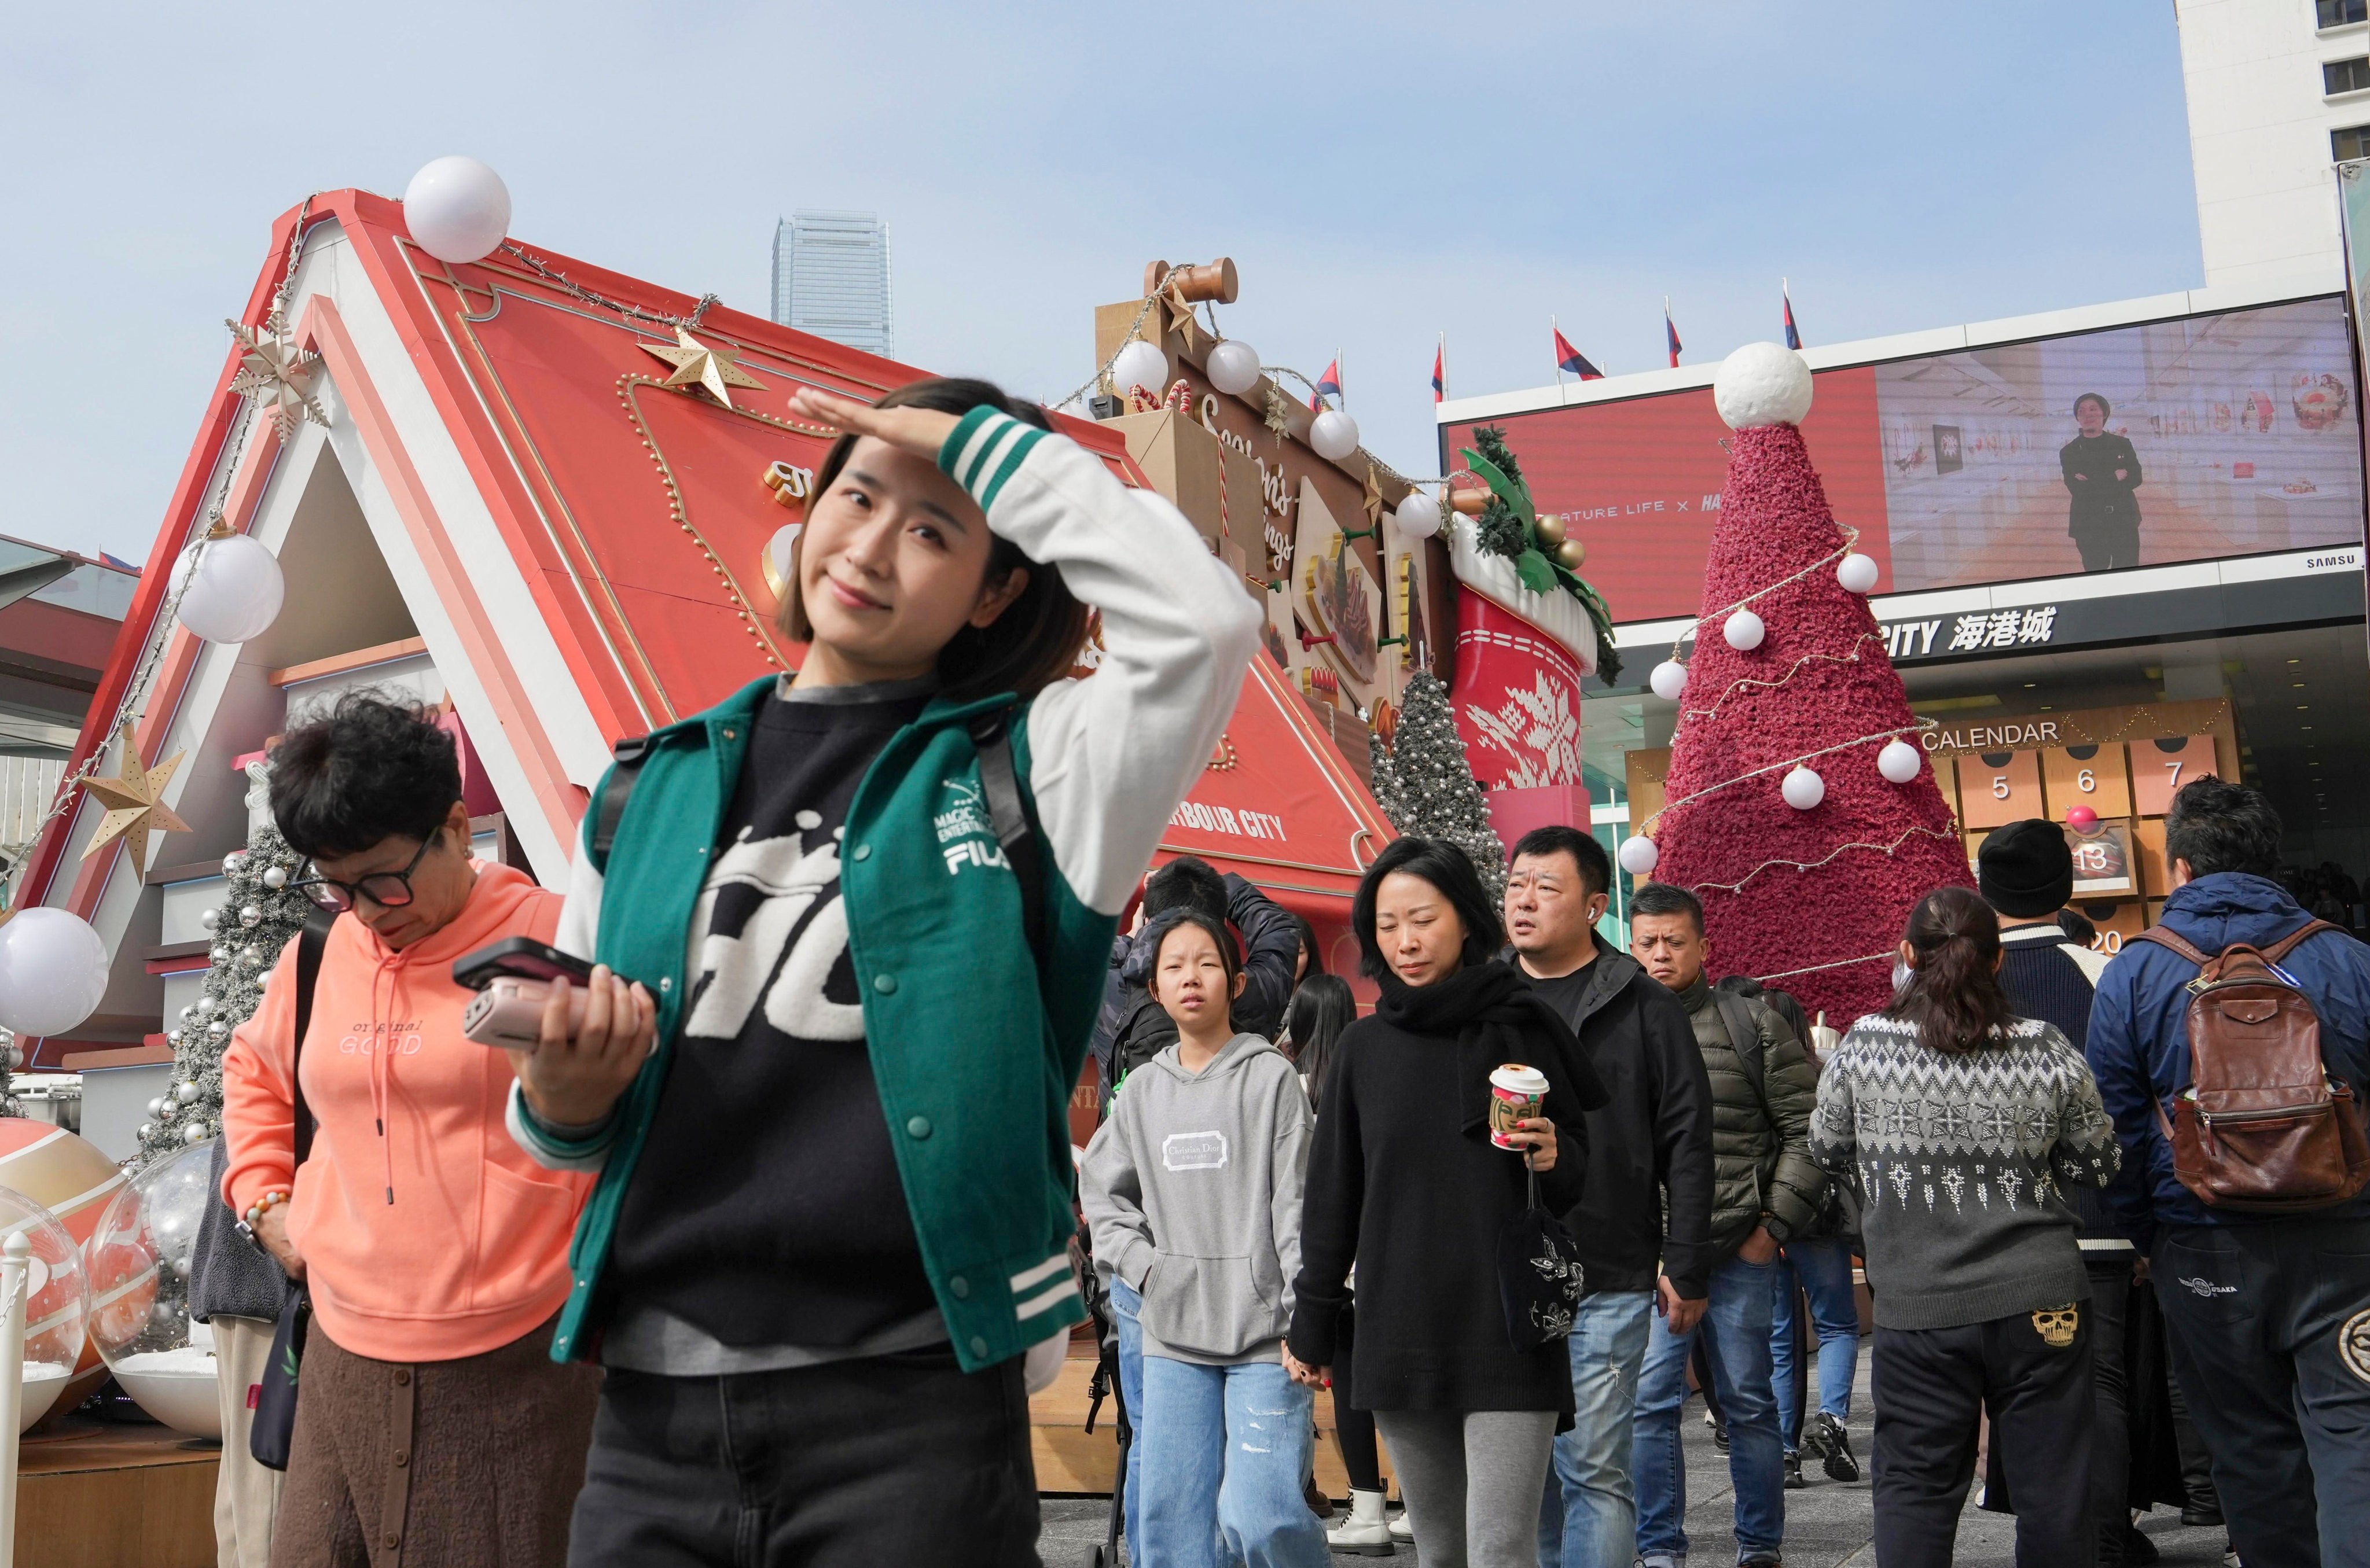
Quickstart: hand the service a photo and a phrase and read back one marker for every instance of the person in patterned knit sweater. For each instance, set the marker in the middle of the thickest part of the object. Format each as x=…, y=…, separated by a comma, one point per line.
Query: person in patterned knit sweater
x=1962, y=1120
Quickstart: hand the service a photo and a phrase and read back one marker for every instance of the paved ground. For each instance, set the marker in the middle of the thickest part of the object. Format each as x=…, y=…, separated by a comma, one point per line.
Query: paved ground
x=1827, y=1525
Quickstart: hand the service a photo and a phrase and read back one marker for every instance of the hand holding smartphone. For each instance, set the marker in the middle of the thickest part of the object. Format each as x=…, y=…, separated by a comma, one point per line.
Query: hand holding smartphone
x=576, y=1033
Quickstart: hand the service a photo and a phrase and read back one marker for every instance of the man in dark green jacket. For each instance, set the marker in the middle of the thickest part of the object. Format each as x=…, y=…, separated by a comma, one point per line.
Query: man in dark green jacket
x=1765, y=1188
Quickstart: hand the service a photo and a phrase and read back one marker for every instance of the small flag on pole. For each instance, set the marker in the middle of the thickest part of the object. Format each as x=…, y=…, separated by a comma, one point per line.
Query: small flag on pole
x=1572, y=361
x=1672, y=332
x=1328, y=385
x=1785, y=292
x=1440, y=370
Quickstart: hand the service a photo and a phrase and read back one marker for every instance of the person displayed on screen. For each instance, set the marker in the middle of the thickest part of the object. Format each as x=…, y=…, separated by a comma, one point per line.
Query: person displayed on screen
x=2103, y=474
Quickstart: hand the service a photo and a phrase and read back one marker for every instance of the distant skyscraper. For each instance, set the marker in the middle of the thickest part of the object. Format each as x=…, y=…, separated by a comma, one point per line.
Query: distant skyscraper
x=830, y=277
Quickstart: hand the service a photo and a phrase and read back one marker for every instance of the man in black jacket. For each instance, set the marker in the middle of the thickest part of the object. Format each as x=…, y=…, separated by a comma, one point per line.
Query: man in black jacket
x=1133, y=1028
x=2102, y=475
x=1653, y=1138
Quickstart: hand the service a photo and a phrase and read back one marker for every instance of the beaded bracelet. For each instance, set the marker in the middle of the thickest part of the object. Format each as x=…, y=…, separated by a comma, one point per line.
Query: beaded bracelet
x=263, y=1205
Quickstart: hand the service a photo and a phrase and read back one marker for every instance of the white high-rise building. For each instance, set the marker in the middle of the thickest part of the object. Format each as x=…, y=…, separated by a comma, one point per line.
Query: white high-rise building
x=830, y=277
x=2279, y=93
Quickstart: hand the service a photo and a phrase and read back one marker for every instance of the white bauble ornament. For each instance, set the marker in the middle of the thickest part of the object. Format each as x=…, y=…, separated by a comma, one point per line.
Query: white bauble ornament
x=156, y=1107
x=1803, y=789
x=250, y=915
x=1334, y=435
x=209, y=918
x=216, y=1026
x=219, y=955
x=1638, y=854
x=230, y=589
x=1139, y=364
x=1857, y=572
x=1762, y=384
x=186, y=1093
x=172, y=1036
x=1743, y=630
x=1669, y=678
x=147, y=1131
x=276, y=878
x=1899, y=760
x=457, y=208
x=52, y=971
x=1418, y=516
x=230, y=862
x=1233, y=366
x=203, y=1004
x=194, y=1133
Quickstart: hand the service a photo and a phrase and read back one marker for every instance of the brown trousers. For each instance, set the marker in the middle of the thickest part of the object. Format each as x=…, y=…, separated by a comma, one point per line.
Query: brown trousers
x=471, y=1463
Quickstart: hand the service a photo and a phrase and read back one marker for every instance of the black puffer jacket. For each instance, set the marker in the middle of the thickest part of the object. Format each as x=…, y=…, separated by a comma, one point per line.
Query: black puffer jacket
x=1761, y=1155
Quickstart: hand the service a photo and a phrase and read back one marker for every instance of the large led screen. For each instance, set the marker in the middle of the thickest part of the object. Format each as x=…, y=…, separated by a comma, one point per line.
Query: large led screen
x=2177, y=441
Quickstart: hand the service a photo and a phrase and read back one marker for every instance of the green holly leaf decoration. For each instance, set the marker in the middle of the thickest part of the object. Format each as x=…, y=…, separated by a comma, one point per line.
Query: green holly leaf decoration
x=1538, y=573
x=1508, y=490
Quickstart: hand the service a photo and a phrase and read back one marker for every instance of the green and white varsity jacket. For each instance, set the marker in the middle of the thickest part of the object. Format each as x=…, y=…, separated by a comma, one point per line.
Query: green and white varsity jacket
x=973, y=1049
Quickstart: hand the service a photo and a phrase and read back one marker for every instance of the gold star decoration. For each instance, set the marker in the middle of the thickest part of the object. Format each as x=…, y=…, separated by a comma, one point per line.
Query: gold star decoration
x=276, y=375
x=698, y=366
x=1180, y=311
x=1374, y=499
x=135, y=805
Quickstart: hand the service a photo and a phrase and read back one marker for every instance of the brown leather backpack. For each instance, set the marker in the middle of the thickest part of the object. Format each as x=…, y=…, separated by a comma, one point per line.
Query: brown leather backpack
x=2262, y=1128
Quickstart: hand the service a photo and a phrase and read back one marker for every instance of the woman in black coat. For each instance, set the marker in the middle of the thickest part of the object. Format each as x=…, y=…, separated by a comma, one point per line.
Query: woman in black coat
x=1404, y=1181
x=2102, y=473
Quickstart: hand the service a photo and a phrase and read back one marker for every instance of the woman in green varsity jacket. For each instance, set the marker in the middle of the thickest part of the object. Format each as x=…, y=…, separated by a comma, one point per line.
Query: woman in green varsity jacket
x=829, y=1113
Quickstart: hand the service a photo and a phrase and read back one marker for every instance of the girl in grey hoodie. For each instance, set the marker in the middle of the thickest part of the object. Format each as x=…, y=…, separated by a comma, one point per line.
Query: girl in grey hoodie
x=1192, y=1187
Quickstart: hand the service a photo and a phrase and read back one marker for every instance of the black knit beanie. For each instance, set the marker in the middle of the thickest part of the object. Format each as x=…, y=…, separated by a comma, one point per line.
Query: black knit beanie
x=2025, y=870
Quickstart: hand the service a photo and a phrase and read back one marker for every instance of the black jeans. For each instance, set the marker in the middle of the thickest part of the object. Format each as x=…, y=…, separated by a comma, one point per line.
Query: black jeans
x=1929, y=1384
x=900, y=1459
x=2110, y=1440
x=2271, y=1339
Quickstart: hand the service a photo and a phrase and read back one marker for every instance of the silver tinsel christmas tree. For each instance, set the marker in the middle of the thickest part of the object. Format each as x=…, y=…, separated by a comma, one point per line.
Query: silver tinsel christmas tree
x=1426, y=787
x=259, y=913
x=12, y=1057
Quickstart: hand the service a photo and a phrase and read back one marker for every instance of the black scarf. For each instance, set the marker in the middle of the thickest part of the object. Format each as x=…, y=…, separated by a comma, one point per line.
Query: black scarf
x=1496, y=1018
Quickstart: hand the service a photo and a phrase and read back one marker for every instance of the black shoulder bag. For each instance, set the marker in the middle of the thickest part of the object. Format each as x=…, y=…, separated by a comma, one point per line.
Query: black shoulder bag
x=1539, y=1274
x=275, y=1395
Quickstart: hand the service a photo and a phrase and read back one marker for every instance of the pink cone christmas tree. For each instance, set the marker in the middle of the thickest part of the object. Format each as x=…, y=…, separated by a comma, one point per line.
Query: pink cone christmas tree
x=1800, y=808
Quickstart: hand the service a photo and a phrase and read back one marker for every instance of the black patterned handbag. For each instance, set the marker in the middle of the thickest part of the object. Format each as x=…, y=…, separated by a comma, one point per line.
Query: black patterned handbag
x=275, y=1393
x=1539, y=1274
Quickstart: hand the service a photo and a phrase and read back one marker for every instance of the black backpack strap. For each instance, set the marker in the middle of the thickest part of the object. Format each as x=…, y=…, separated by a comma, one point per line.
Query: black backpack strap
x=991, y=735
x=610, y=809
x=1744, y=1036
x=310, y=942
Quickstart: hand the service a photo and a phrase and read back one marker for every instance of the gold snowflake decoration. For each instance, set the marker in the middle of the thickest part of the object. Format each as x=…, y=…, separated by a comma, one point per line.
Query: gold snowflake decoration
x=277, y=376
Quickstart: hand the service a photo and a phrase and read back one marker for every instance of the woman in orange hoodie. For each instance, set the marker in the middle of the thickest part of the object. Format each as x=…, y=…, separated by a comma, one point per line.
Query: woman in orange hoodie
x=431, y=1424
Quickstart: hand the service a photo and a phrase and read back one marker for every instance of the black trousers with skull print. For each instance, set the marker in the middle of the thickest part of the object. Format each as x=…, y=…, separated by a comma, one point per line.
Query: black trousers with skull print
x=2032, y=1372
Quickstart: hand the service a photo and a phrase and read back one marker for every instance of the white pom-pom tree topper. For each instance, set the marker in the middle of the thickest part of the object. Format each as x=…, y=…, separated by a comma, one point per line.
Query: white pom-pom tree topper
x=1762, y=384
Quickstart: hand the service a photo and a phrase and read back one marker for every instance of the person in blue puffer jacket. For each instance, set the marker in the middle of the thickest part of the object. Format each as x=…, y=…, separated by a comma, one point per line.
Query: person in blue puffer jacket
x=2269, y=1313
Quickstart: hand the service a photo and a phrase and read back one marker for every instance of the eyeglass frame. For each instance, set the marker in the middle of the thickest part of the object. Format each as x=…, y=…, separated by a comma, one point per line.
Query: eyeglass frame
x=353, y=890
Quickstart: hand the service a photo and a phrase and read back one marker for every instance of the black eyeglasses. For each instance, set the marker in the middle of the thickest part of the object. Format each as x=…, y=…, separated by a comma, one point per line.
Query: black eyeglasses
x=387, y=890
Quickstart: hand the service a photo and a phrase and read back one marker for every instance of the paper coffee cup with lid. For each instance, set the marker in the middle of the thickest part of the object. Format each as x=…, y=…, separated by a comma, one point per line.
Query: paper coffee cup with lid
x=1515, y=1093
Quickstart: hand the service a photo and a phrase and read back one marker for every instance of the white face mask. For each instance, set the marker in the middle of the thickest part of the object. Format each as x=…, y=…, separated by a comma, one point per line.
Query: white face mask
x=1901, y=973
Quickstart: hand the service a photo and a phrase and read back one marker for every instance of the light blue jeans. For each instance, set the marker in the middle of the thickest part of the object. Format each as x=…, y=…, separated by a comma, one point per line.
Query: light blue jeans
x=1224, y=1451
x=1589, y=1516
x=1824, y=1265
x=1738, y=1321
x=1125, y=1305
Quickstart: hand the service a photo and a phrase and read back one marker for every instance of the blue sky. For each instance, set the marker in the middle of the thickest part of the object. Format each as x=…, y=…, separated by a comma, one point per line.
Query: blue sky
x=1381, y=174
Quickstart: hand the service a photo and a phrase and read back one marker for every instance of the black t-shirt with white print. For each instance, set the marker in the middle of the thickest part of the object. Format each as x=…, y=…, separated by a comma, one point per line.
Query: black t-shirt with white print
x=766, y=1210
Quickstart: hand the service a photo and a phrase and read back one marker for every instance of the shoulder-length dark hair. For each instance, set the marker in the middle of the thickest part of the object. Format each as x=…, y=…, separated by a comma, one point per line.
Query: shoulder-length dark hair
x=1036, y=641
x=1448, y=868
x=1321, y=1009
x=1953, y=993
